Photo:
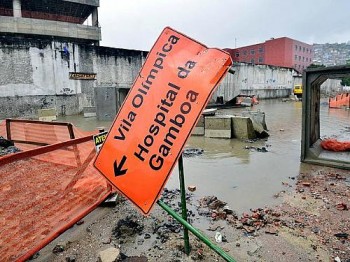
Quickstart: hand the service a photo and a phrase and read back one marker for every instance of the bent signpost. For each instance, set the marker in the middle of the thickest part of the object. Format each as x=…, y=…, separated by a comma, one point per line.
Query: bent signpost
x=158, y=115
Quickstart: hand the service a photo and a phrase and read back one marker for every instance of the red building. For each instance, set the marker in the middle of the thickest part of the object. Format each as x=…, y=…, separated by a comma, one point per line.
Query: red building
x=284, y=52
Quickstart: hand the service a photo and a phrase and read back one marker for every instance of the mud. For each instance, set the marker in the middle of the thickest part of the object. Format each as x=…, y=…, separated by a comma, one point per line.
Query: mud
x=311, y=224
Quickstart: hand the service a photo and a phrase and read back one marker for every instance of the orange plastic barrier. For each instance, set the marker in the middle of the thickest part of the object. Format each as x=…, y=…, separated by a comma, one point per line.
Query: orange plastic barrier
x=341, y=100
x=335, y=145
x=46, y=190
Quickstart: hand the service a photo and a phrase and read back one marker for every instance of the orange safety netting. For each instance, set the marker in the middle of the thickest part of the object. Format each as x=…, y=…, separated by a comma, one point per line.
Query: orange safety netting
x=45, y=190
x=341, y=100
x=335, y=145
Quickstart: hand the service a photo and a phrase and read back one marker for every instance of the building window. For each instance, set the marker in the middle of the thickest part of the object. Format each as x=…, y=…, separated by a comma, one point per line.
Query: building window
x=296, y=47
x=296, y=57
x=252, y=61
x=299, y=48
x=299, y=58
x=237, y=54
x=303, y=59
x=307, y=59
x=261, y=60
x=245, y=52
x=295, y=66
x=252, y=52
x=303, y=49
x=307, y=50
x=261, y=50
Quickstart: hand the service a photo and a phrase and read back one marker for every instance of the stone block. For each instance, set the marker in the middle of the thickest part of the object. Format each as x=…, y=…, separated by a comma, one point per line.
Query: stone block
x=218, y=126
x=199, y=128
x=110, y=254
x=243, y=127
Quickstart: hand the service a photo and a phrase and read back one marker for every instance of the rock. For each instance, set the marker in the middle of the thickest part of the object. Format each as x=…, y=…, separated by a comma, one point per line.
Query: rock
x=106, y=240
x=127, y=227
x=71, y=259
x=192, y=188
x=218, y=237
x=228, y=211
x=80, y=222
x=216, y=204
x=60, y=247
x=271, y=230
x=239, y=225
x=342, y=235
x=213, y=227
x=191, y=152
x=342, y=206
x=5, y=142
x=35, y=256
x=110, y=254
x=307, y=184
x=249, y=229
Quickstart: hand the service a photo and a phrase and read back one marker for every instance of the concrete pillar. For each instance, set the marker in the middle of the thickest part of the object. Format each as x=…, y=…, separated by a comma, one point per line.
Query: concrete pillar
x=94, y=17
x=17, y=10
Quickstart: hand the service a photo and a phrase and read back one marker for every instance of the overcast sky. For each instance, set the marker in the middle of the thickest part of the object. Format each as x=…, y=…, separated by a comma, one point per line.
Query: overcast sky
x=136, y=24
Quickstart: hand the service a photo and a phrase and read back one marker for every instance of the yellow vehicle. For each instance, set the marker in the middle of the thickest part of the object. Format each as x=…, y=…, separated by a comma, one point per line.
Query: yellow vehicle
x=298, y=90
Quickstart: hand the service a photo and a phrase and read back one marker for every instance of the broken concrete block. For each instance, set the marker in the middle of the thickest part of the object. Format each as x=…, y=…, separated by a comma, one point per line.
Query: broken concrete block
x=243, y=127
x=199, y=128
x=218, y=126
x=110, y=254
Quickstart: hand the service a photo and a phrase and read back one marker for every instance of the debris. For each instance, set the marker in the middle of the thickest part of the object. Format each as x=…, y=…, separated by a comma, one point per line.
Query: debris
x=342, y=206
x=5, y=143
x=342, y=235
x=337, y=259
x=307, y=184
x=71, y=259
x=271, y=230
x=218, y=237
x=59, y=248
x=80, y=222
x=191, y=152
x=110, y=254
x=216, y=204
x=192, y=188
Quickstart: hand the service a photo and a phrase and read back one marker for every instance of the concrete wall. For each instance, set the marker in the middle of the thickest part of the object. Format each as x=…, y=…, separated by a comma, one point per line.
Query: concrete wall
x=34, y=74
x=261, y=80
x=20, y=25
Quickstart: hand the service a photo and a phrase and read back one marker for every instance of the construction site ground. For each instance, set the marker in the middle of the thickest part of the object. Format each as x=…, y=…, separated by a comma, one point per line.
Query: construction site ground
x=311, y=223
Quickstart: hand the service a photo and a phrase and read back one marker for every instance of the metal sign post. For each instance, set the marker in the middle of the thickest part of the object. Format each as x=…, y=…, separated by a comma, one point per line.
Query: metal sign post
x=187, y=226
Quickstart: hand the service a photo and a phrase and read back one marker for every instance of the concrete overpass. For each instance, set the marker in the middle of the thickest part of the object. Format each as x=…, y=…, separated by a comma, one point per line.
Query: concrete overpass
x=51, y=18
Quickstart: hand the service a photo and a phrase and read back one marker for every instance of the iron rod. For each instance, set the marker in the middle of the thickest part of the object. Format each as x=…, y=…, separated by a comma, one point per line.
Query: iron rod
x=183, y=203
x=198, y=234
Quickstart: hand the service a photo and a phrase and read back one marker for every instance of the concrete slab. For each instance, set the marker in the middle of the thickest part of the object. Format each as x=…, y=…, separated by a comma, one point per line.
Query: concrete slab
x=218, y=126
x=199, y=128
x=243, y=127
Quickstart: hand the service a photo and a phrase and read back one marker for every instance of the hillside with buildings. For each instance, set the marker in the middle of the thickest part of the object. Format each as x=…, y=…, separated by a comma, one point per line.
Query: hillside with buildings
x=331, y=54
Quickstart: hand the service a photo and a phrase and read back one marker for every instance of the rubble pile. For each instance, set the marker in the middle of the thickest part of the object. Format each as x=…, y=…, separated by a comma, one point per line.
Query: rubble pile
x=7, y=147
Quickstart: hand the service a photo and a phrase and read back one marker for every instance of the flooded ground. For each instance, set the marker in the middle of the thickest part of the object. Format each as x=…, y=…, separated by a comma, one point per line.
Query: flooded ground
x=246, y=178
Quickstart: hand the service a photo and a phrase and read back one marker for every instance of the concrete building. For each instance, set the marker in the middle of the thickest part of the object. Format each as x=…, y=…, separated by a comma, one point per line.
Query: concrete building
x=51, y=58
x=263, y=81
x=282, y=52
x=57, y=19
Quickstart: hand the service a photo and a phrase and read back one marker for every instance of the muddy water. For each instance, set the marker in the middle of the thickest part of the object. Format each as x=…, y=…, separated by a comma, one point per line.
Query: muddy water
x=246, y=178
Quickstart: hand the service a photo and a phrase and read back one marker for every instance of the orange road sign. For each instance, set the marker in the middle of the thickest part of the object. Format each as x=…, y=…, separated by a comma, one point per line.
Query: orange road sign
x=158, y=115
